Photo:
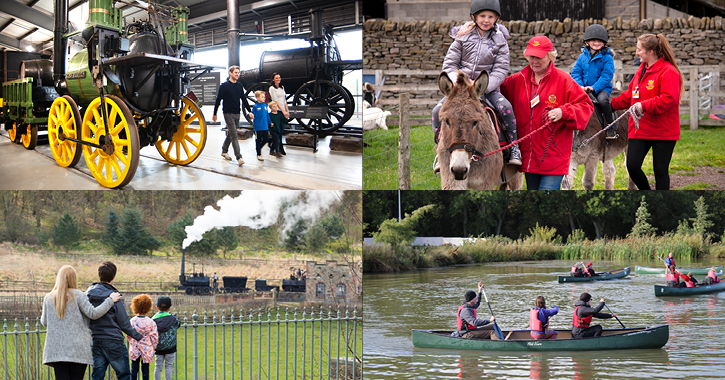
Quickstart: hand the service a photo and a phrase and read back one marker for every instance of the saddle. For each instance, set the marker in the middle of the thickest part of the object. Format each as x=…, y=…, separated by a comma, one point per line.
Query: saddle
x=597, y=110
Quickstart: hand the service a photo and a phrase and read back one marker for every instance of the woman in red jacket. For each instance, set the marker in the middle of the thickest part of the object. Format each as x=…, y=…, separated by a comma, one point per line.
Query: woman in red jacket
x=540, y=94
x=655, y=91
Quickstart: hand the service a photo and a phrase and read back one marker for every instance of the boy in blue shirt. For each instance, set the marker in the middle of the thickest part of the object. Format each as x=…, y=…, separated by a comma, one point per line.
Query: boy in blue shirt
x=594, y=70
x=262, y=122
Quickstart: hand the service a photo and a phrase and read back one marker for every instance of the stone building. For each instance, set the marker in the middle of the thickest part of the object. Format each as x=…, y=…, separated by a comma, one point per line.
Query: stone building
x=333, y=282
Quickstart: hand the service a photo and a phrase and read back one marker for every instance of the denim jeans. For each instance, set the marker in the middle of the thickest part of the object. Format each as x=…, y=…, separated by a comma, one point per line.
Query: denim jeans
x=543, y=182
x=114, y=353
x=165, y=362
x=276, y=142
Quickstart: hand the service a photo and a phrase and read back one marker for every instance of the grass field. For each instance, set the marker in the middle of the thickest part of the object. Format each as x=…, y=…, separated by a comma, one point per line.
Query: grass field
x=702, y=147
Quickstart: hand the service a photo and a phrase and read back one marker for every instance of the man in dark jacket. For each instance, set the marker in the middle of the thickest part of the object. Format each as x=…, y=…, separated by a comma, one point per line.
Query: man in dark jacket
x=583, y=313
x=468, y=324
x=108, y=340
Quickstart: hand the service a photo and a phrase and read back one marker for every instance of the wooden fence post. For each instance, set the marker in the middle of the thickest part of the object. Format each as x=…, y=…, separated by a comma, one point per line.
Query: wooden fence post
x=404, y=143
x=694, y=101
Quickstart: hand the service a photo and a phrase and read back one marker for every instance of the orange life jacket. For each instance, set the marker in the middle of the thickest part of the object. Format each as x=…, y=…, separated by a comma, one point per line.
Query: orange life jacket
x=461, y=322
x=535, y=323
x=581, y=322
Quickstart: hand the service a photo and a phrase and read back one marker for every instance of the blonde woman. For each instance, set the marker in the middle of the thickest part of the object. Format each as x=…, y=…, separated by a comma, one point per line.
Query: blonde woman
x=65, y=314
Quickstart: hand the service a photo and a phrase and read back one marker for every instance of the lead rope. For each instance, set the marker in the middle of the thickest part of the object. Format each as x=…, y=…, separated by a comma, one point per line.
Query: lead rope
x=631, y=111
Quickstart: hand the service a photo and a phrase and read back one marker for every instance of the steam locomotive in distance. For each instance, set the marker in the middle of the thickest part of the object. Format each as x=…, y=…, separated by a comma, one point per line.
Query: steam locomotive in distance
x=200, y=284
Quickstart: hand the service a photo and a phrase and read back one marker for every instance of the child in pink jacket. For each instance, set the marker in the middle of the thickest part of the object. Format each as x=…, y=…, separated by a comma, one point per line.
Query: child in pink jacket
x=142, y=350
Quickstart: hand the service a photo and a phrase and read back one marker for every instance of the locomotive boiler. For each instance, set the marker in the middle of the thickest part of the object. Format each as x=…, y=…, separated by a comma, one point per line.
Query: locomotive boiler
x=129, y=83
x=312, y=78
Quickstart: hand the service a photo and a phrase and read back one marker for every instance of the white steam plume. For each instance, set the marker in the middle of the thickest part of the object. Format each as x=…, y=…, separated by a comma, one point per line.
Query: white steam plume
x=260, y=209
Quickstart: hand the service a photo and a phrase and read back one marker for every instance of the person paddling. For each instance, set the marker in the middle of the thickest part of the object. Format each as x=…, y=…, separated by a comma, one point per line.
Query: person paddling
x=583, y=313
x=539, y=320
x=711, y=277
x=670, y=260
x=469, y=326
x=672, y=277
x=576, y=270
x=590, y=271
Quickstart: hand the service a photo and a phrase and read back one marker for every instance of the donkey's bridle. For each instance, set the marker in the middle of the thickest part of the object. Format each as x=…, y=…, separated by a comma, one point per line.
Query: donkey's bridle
x=475, y=155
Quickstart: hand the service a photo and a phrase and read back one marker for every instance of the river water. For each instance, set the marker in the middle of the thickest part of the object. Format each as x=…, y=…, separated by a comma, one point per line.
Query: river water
x=428, y=299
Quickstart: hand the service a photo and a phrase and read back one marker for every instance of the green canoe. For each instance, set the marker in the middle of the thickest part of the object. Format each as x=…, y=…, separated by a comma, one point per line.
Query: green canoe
x=665, y=291
x=647, y=270
x=619, y=273
x=520, y=340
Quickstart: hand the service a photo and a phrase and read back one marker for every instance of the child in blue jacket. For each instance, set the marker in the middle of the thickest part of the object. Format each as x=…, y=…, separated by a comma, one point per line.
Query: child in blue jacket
x=594, y=70
x=262, y=122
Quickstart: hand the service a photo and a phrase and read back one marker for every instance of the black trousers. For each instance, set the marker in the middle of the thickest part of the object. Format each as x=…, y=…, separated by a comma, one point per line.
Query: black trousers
x=588, y=332
x=69, y=371
x=661, y=156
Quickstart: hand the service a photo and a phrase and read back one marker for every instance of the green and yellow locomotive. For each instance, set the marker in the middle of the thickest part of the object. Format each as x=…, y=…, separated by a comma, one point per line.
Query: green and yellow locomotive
x=130, y=84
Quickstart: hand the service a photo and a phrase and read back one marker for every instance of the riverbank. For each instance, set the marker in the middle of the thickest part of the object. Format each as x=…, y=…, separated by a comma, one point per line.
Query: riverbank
x=385, y=258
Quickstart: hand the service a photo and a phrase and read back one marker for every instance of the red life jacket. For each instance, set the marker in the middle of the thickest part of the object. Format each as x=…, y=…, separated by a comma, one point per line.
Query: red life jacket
x=573, y=269
x=712, y=275
x=581, y=322
x=535, y=323
x=672, y=277
x=689, y=283
x=460, y=321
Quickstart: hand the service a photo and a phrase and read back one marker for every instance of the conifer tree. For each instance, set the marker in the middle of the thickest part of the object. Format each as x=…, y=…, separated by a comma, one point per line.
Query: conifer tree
x=111, y=225
x=66, y=232
x=134, y=238
x=641, y=225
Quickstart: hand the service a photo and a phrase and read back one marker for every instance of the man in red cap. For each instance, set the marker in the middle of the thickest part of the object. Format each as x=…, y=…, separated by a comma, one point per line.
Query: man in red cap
x=542, y=94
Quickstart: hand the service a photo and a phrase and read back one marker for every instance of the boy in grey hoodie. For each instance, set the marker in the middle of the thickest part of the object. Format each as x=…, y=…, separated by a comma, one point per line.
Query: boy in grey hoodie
x=108, y=341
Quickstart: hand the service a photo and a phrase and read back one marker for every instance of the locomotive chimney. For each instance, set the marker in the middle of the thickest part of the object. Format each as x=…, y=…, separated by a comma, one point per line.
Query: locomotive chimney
x=316, y=25
x=59, y=43
x=183, y=259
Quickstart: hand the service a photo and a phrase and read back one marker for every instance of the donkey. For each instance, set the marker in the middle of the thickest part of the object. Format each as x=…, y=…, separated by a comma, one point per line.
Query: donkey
x=466, y=134
x=599, y=149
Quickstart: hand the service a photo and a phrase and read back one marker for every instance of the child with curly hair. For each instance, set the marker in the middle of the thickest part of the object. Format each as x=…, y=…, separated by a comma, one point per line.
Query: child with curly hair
x=142, y=351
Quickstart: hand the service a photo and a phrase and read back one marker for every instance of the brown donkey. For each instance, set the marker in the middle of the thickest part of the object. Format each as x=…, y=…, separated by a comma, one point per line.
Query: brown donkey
x=599, y=149
x=466, y=134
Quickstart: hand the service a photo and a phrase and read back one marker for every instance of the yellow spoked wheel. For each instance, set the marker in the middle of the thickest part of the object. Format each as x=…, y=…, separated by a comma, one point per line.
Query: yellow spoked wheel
x=30, y=137
x=114, y=163
x=189, y=140
x=13, y=132
x=63, y=122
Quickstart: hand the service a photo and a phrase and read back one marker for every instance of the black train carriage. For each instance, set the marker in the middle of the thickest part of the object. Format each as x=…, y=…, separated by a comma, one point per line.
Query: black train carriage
x=312, y=78
x=128, y=84
x=234, y=284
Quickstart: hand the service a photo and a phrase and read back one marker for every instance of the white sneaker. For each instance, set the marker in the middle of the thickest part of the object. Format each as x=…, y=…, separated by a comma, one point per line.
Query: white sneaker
x=241, y=161
x=259, y=158
x=226, y=156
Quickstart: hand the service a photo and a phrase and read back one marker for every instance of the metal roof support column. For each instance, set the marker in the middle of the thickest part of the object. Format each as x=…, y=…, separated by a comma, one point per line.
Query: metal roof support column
x=233, y=31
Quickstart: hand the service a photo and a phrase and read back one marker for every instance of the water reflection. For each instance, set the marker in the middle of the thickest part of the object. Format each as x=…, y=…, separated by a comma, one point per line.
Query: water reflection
x=428, y=299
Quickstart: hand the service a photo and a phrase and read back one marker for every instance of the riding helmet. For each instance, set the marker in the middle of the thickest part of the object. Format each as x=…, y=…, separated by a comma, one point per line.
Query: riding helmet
x=485, y=5
x=596, y=32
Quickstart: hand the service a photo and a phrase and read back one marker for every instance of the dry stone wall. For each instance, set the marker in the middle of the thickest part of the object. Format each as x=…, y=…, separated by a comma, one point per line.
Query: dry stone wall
x=422, y=45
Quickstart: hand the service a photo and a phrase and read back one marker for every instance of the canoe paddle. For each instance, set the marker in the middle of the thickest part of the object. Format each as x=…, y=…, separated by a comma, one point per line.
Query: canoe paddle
x=497, y=329
x=610, y=310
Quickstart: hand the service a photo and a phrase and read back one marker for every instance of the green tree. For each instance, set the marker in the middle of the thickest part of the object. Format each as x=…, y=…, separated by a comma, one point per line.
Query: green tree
x=701, y=222
x=134, y=238
x=333, y=226
x=111, y=229
x=66, y=232
x=395, y=234
x=295, y=235
x=641, y=225
x=176, y=232
x=227, y=239
x=316, y=238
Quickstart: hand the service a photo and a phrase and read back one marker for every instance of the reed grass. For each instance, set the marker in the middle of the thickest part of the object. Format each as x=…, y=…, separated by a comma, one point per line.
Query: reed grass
x=688, y=247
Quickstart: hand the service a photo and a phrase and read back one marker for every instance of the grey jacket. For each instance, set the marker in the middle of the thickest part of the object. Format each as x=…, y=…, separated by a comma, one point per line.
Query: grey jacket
x=473, y=53
x=109, y=326
x=466, y=314
x=69, y=339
